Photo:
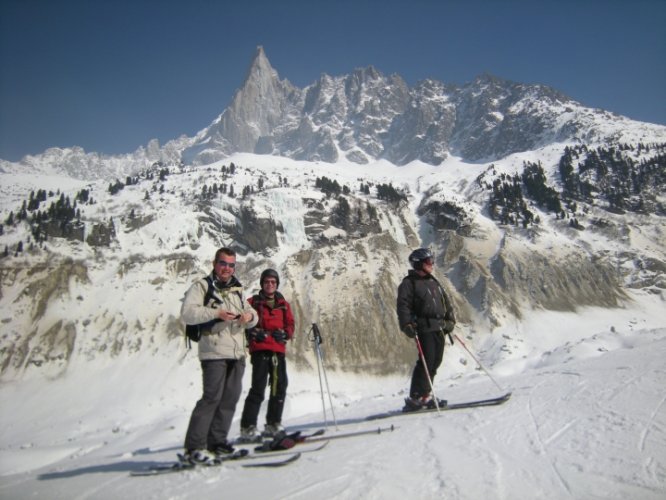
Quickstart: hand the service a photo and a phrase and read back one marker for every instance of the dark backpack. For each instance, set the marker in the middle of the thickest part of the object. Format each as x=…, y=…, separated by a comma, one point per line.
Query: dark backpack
x=193, y=332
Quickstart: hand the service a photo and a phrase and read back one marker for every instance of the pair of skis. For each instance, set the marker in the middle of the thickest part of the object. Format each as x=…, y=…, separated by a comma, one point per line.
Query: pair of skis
x=180, y=466
x=450, y=406
x=269, y=458
x=279, y=457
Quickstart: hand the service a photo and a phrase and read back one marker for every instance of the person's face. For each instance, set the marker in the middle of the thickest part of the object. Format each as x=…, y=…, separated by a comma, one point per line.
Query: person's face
x=269, y=286
x=428, y=264
x=225, y=266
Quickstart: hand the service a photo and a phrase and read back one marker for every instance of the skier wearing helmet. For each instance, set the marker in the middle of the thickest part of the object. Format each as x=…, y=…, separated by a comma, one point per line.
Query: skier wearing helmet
x=267, y=342
x=425, y=312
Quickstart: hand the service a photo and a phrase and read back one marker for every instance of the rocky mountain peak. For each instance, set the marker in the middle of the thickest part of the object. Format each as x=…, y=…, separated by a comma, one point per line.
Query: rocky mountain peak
x=365, y=116
x=260, y=66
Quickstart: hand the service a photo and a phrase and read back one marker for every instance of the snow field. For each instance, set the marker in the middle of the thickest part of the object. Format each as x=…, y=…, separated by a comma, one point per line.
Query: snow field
x=586, y=420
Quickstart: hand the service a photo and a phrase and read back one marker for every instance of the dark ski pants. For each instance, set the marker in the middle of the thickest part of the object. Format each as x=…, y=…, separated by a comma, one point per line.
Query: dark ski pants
x=432, y=344
x=267, y=367
x=213, y=413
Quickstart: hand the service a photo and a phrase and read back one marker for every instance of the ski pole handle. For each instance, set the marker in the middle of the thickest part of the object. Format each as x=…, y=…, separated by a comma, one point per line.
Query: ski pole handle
x=316, y=334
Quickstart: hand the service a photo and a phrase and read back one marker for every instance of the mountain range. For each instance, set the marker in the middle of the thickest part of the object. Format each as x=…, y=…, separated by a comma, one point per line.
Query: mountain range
x=529, y=200
x=366, y=116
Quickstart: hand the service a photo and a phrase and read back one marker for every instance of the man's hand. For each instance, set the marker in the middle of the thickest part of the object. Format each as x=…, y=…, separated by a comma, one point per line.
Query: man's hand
x=257, y=334
x=225, y=315
x=448, y=326
x=280, y=336
x=242, y=318
x=409, y=330
x=245, y=318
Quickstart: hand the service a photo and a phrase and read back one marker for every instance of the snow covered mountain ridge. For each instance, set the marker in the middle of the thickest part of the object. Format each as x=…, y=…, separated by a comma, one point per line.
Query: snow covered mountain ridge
x=567, y=213
x=554, y=256
x=366, y=116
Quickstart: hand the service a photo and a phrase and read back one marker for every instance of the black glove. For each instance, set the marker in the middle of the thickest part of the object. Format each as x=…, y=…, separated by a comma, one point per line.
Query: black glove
x=257, y=335
x=280, y=336
x=409, y=330
x=448, y=326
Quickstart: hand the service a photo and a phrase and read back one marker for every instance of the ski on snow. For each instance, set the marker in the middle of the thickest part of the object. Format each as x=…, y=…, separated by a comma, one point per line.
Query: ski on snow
x=451, y=406
x=343, y=435
x=285, y=441
x=241, y=454
x=299, y=437
x=295, y=436
x=286, y=452
x=183, y=465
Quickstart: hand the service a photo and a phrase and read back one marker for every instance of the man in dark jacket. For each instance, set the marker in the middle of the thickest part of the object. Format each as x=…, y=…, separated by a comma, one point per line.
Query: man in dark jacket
x=425, y=311
x=267, y=351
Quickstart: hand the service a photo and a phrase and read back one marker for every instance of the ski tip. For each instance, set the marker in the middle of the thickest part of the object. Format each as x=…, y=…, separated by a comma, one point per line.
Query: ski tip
x=279, y=463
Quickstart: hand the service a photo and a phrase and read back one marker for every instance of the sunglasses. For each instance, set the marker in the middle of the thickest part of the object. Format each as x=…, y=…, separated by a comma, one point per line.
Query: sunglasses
x=224, y=263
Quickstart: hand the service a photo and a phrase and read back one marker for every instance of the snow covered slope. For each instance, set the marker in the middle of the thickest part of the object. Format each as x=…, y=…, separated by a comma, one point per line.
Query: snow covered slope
x=587, y=420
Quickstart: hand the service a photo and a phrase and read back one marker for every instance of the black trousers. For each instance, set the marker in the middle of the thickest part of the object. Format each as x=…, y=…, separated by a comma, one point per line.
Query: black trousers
x=267, y=367
x=432, y=344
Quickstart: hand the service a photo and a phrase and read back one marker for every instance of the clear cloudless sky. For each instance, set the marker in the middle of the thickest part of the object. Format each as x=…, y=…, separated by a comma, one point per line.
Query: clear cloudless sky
x=109, y=75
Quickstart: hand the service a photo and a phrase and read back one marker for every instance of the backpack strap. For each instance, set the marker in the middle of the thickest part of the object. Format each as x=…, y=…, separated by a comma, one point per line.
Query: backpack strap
x=209, y=290
x=210, y=294
x=256, y=299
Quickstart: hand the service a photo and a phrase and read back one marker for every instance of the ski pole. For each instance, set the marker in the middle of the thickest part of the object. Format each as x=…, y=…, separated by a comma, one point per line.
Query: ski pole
x=321, y=387
x=323, y=369
x=477, y=361
x=378, y=430
x=425, y=368
x=316, y=338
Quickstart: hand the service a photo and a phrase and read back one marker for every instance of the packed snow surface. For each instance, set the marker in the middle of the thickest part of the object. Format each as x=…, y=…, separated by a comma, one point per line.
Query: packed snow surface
x=586, y=420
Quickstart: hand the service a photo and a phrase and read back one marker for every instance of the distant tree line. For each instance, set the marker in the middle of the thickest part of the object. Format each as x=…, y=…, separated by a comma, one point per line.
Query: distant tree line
x=507, y=204
x=607, y=174
x=330, y=187
x=612, y=175
x=388, y=193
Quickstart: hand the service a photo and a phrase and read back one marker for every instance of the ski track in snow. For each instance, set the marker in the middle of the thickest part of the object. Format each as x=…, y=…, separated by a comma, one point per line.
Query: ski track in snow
x=587, y=427
x=650, y=423
x=541, y=446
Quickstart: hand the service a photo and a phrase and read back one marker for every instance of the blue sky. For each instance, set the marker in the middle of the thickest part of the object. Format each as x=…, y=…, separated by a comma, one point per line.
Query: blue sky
x=109, y=75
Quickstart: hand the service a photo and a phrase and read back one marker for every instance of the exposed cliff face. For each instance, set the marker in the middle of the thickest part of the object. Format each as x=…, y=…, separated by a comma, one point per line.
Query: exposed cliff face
x=340, y=257
x=109, y=284
x=38, y=289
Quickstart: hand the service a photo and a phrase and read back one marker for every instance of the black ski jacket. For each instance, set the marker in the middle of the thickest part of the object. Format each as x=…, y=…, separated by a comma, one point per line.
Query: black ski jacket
x=423, y=302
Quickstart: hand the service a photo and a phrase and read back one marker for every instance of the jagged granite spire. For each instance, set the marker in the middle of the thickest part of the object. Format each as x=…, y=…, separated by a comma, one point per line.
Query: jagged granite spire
x=365, y=115
x=257, y=107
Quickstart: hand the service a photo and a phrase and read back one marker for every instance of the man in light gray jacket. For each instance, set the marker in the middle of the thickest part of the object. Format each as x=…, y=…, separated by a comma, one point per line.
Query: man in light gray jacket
x=217, y=304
